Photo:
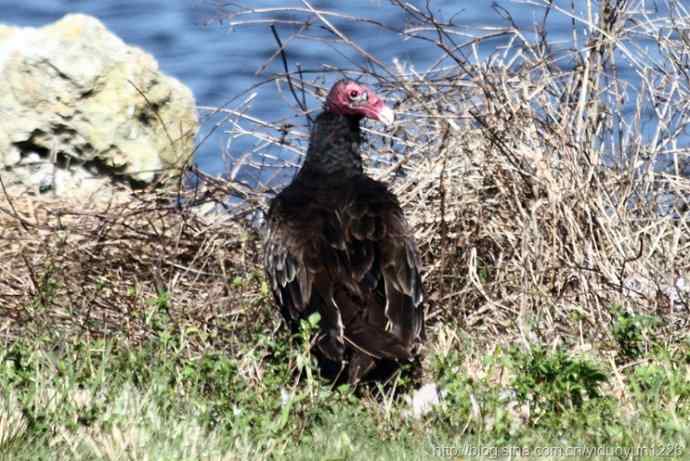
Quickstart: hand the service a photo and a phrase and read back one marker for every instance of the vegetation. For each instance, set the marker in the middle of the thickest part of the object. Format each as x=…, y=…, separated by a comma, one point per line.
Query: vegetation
x=110, y=399
x=554, y=228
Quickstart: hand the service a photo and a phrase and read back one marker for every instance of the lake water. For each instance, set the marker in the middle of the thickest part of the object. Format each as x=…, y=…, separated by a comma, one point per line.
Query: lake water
x=219, y=63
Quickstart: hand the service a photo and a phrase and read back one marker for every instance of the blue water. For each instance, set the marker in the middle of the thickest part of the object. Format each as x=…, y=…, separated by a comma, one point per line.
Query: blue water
x=191, y=41
x=218, y=63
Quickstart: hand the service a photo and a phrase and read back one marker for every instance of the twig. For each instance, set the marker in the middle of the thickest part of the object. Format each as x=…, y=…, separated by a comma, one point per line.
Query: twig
x=283, y=55
x=25, y=224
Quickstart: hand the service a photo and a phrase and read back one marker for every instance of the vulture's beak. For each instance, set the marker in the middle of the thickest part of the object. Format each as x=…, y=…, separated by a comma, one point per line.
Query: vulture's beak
x=386, y=115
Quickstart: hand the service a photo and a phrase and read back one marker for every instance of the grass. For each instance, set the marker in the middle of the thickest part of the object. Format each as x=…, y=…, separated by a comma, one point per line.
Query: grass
x=109, y=399
x=552, y=217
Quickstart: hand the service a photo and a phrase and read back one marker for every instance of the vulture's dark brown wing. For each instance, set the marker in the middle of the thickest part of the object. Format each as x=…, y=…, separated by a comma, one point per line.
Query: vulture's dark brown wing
x=347, y=253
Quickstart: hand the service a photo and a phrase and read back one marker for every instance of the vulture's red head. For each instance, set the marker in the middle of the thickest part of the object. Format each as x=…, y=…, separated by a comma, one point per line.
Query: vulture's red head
x=350, y=98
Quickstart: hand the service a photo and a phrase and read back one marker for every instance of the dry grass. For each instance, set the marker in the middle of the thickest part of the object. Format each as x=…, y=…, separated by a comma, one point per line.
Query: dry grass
x=539, y=203
x=114, y=268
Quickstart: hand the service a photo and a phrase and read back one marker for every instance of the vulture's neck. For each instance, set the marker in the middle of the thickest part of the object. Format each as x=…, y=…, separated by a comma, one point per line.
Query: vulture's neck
x=333, y=148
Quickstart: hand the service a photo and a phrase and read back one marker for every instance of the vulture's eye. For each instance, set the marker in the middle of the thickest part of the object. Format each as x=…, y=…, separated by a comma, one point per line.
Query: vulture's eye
x=354, y=94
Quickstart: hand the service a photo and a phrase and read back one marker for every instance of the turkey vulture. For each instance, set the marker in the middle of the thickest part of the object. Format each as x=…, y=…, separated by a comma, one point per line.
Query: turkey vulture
x=337, y=243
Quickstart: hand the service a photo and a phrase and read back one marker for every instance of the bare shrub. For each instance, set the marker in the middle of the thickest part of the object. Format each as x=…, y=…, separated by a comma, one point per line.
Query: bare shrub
x=546, y=186
x=138, y=264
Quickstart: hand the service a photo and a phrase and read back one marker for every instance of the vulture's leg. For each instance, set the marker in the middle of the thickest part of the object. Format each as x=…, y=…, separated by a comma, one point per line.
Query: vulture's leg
x=360, y=365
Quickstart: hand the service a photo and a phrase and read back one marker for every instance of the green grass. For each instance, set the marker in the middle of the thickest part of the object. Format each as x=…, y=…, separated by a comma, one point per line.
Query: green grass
x=93, y=399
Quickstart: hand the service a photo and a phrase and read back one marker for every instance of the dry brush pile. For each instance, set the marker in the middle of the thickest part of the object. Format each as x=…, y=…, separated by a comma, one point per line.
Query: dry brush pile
x=541, y=205
x=539, y=201
x=548, y=183
x=131, y=267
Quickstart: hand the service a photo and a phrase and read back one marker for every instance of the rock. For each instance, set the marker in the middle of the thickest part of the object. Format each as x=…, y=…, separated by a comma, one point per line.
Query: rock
x=80, y=107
